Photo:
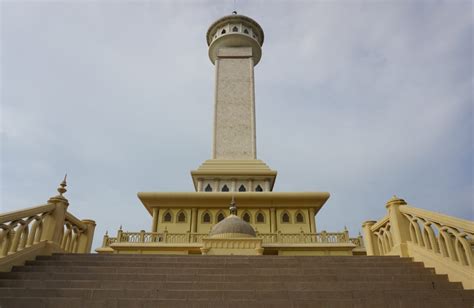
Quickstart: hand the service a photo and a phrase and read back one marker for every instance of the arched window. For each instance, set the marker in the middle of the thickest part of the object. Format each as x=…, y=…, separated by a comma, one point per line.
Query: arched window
x=181, y=217
x=246, y=217
x=242, y=188
x=299, y=218
x=220, y=217
x=167, y=217
x=225, y=188
x=260, y=218
x=246, y=31
x=208, y=188
x=285, y=217
x=223, y=31
x=206, y=218
x=259, y=188
x=235, y=29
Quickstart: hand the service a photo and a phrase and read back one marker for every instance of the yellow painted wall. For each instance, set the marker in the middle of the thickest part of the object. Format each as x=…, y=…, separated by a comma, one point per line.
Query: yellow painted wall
x=179, y=227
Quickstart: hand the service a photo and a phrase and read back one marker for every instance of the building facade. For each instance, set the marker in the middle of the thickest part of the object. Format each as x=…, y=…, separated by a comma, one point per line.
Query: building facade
x=285, y=221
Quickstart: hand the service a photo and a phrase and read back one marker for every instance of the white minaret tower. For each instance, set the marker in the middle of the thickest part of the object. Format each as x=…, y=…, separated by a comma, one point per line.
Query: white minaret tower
x=235, y=47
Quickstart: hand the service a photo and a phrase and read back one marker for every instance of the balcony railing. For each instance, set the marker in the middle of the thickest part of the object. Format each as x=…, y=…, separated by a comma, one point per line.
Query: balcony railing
x=268, y=238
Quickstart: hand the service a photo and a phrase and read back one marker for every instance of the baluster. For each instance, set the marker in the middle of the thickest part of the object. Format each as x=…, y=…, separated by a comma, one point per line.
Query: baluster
x=463, y=249
x=431, y=237
x=23, y=238
x=16, y=238
x=6, y=240
x=448, y=240
x=32, y=235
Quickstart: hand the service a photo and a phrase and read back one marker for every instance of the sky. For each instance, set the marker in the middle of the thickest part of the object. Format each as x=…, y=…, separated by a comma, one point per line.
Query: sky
x=362, y=99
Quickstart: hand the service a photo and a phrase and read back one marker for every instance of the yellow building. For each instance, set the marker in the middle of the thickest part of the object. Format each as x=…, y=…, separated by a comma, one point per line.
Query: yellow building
x=285, y=221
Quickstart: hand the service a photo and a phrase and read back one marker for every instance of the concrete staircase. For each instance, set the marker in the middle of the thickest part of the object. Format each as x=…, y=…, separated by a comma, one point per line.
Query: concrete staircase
x=90, y=280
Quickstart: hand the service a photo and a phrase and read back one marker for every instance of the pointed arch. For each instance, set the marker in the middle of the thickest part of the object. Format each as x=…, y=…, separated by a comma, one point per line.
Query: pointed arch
x=299, y=217
x=285, y=217
x=246, y=31
x=235, y=29
x=223, y=31
x=181, y=217
x=246, y=217
x=242, y=188
x=167, y=216
x=206, y=217
x=220, y=216
x=259, y=188
x=225, y=188
x=208, y=188
x=260, y=217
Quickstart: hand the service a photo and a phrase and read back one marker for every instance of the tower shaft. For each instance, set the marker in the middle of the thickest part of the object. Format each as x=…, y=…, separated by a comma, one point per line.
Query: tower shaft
x=234, y=119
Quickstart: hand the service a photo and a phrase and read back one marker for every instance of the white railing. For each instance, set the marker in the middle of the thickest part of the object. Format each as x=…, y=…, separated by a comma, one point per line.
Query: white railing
x=268, y=238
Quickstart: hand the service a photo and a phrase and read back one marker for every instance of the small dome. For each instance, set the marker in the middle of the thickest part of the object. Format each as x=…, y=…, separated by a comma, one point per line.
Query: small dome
x=230, y=227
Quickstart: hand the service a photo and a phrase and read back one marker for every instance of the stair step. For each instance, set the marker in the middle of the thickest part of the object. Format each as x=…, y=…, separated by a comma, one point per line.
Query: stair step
x=218, y=265
x=232, y=270
x=221, y=277
x=13, y=302
x=186, y=285
x=104, y=293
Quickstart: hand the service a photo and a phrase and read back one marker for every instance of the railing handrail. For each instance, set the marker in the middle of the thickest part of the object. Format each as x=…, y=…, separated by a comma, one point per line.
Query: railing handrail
x=75, y=221
x=458, y=223
x=14, y=215
x=380, y=223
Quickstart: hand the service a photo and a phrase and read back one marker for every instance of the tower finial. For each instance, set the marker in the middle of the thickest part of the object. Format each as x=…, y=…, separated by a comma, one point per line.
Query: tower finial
x=233, y=207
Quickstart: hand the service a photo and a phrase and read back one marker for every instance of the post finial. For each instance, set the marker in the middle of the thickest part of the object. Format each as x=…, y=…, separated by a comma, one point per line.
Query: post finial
x=62, y=187
x=233, y=207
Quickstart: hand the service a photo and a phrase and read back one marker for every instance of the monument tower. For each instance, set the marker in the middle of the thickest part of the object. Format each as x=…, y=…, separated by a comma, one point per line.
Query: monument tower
x=284, y=222
x=235, y=47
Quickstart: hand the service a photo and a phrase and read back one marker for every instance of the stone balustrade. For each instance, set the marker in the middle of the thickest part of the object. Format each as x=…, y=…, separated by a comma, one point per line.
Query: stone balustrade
x=443, y=242
x=190, y=237
x=42, y=230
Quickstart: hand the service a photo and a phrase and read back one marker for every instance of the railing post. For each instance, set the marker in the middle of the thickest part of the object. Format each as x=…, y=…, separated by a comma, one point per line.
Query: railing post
x=154, y=225
x=85, y=240
x=119, y=235
x=105, y=241
x=399, y=226
x=142, y=236
x=369, y=238
x=53, y=224
x=346, y=235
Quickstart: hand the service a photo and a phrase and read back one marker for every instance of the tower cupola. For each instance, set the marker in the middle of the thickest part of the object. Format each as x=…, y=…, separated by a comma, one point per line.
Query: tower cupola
x=235, y=31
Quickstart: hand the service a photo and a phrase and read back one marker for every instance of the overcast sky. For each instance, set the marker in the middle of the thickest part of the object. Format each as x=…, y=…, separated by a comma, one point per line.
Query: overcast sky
x=362, y=99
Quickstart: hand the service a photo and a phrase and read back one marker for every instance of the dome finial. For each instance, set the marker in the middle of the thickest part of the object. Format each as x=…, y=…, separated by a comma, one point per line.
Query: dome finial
x=233, y=207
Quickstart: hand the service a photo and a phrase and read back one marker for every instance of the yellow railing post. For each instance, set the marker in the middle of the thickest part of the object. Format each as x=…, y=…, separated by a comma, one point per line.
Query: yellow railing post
x=54, y=223
x=399, y=226
x=85, y=240
x=369, y=239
